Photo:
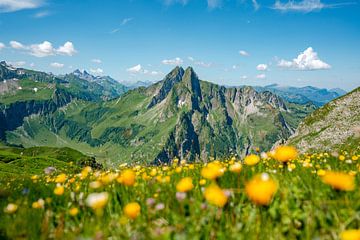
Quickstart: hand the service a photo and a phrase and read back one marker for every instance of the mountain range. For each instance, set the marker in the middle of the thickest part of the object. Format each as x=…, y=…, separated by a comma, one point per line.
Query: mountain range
x=180, y=116
x=318, y=96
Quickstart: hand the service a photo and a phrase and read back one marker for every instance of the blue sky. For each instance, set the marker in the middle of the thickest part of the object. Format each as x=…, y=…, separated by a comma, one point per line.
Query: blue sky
x=231, y=42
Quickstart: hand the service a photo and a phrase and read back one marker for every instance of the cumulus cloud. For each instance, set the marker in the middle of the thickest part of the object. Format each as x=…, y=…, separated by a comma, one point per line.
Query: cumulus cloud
x=95, y=60
x=97, y=71
x=45, y=49
x=305, y=5
x=262, y=67
x=135, y=69
x=16, y=5
x=67, y=49
x=175, y=61
x=261, y=76
x=16, y=45
x=244, y=53
x=42, y=50
x=2, y=45
x=307, y=60
x=57, y=65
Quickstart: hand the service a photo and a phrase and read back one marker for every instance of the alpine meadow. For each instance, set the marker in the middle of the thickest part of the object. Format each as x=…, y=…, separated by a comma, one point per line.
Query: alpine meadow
x=180, y=119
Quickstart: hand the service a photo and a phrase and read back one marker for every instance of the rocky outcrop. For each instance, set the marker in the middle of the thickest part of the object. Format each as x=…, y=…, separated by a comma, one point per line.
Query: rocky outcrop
x=335, y=124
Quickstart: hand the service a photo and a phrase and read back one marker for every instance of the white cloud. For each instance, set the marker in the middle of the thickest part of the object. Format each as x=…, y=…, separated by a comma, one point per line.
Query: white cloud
x=2, y=45
x=67, y=49
x=42, y=50
x=307, y=60
x=41, y=14
x=45, y=49
x=191, y=59
x=126, y=21
x=243, y=77
x=57, y=65
x=262, y=67
x=261, y=76
x=175, y=61
x=135, y=69
x=305, y=5
x=95, y=60
x=255, y=4
x=244, y=53
x=16, y=45
x=97, y=71
x=155, y=73
x=16, y=5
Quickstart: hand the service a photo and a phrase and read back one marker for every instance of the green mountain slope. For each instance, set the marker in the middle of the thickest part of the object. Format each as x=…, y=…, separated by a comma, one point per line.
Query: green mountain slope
x=25, y=92
x=19, y=161
x=180, y=116
x=335, y=124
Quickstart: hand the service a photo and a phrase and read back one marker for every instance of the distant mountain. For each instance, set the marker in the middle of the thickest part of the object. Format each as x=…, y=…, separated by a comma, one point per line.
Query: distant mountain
x=109, y=87
x=304, y=94
x=25, y=92
x=180, y=116
x=335, y=124
x=132, y=85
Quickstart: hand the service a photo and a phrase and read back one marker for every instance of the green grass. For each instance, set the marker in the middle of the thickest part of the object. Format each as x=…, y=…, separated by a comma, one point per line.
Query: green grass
x=27, y=92
x=302, y=208
x=27, y=161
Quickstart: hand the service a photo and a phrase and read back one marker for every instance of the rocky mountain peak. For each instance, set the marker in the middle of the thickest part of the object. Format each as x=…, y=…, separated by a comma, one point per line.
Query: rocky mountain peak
x=175, y=76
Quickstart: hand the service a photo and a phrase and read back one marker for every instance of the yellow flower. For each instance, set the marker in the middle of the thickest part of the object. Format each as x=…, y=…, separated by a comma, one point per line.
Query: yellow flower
x=97, y=200
x=235, y=167
x=132, y=210
x=212, y=171
x=354, y=158
x=351, y=234
x=127, y=177
x=285, y=153
x=339, y=180
x=84, y=173
x=61, y=178
x=59, y=190
x=38, y=204
x=215, y=195
x=251, y=159
x=261, y=189
x=321, y=172
x=11, y=208
x=202, y=182
x=185, y=185
x=341, y=157
x=73, y=211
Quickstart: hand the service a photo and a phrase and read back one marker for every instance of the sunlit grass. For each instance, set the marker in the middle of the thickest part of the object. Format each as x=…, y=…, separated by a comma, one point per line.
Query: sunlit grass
x=276, y=196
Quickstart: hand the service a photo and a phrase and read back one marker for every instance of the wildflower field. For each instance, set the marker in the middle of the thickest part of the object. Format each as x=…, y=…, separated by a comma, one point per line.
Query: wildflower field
x=275, y=195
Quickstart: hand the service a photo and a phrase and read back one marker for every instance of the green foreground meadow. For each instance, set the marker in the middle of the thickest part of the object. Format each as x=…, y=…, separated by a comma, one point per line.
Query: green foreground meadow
x=265, y=196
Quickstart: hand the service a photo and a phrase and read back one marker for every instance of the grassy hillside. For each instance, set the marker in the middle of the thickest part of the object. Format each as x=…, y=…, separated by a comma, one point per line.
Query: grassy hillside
x=335, y=124
x=15, y=162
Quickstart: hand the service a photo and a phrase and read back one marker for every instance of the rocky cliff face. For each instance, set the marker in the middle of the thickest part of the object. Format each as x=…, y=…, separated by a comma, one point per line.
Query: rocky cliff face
x=335, y=124
x=12, y=115
x=216, y=121
x=180, y=116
